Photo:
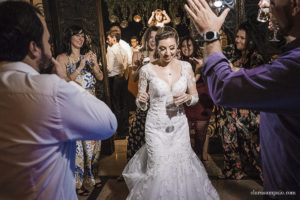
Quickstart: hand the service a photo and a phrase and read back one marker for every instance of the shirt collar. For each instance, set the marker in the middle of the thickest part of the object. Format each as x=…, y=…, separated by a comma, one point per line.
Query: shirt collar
x=292, y=45
x=17, y=66
x=115, y=45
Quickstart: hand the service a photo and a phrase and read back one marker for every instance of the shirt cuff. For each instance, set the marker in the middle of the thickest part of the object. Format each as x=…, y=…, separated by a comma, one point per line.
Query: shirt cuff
x=212, y=60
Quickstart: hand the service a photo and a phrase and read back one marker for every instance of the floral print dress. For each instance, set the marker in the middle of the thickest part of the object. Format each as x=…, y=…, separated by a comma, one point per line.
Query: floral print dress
x=88, y=151
x=239, y=132
x=136, y=137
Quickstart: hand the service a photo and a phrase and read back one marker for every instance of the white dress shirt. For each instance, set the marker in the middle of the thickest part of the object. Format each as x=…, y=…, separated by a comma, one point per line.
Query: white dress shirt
x=127, y=48
x=114, y=56
x=135, y=49
x=41, y=117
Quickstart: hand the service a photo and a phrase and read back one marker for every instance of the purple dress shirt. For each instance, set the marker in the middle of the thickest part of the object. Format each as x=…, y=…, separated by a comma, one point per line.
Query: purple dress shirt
x=273, y=89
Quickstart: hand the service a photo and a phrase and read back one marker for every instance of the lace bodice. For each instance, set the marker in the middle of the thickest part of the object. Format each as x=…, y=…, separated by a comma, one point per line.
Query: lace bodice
x=160, y=91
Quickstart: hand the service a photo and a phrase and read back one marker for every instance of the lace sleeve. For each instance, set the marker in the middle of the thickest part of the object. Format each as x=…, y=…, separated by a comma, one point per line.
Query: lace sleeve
x=142, y=87
x=191, y=84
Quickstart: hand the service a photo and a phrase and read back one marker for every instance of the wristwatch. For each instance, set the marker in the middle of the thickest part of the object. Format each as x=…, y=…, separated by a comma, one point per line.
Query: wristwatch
x=211, y=36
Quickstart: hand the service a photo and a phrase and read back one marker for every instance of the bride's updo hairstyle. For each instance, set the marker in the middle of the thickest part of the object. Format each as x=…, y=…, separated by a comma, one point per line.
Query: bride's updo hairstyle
x=165, y=33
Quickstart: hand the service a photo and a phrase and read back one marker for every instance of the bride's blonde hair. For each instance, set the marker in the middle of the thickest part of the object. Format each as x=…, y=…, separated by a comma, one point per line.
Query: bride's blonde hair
x=164, y=33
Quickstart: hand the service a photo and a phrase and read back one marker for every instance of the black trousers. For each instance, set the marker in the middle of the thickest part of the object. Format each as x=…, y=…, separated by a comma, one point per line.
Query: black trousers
x=119, y=100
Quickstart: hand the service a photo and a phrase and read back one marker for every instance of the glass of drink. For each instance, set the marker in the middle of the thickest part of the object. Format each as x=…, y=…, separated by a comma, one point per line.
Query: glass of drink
x=263, y=15
x=275, y=31
x=174, y=100
x=175, y=96
x=264, y=11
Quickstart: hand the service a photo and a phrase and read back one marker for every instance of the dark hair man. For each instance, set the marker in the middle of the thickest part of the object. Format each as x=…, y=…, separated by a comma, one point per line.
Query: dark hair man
x=117, y=67
x=135, y=47
x=41, y=115
x=123, y=44
x=271, y=88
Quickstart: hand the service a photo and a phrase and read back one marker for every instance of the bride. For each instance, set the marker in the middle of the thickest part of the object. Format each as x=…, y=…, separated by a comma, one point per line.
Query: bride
x=166, y=167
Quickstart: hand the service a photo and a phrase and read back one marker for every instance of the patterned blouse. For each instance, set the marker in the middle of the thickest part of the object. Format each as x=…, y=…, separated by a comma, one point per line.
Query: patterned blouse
x=85, y=79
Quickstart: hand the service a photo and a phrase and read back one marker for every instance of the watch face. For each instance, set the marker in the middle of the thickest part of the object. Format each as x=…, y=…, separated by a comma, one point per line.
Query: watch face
x=210, y=35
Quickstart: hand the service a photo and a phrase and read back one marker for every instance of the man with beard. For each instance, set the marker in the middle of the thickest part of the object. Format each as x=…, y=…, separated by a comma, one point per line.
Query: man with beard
x=271, y=88
x=39, y=121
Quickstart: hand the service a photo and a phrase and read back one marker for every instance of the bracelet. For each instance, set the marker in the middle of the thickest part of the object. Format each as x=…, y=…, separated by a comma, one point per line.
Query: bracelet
x=193, y=100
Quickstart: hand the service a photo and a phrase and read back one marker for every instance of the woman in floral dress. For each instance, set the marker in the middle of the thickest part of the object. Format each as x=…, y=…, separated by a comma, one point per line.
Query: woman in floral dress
x=238, y=128
x=82, y=67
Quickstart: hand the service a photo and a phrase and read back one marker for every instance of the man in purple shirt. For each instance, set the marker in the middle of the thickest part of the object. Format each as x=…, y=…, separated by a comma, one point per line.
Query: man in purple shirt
x=273, y=89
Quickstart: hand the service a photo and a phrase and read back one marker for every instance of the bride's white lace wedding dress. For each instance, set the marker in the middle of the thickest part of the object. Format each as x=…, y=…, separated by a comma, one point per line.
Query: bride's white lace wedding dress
x=166, y=167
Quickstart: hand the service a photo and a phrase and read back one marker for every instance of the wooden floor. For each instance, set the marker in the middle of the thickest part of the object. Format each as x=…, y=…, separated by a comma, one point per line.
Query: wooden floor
x=112, y=166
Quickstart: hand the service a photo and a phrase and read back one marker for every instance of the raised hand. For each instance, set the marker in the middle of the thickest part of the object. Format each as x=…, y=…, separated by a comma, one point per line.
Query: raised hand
x=93, y=58
x=198, y=61
x=84, y=59
x=203, y=16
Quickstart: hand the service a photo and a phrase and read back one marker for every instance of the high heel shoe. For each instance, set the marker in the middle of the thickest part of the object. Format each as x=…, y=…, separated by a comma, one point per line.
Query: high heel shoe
x=98, y=183
x=82, y=192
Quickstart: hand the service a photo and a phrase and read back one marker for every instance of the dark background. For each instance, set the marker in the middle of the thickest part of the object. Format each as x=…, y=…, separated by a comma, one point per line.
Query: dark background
x=60, y=14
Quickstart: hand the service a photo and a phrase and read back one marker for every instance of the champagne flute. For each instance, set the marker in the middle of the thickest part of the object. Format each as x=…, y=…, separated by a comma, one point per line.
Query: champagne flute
x=174, y=99
x=275, y=31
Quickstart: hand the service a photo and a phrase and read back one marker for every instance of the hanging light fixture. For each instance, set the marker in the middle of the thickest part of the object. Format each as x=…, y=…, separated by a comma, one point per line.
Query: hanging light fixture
x=177, y=21
x=113, y=18
x=137, y=18
x=124, y=23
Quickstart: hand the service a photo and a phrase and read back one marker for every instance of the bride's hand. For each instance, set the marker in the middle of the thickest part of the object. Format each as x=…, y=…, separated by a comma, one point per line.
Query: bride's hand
x=143, y=98
x=182, y=98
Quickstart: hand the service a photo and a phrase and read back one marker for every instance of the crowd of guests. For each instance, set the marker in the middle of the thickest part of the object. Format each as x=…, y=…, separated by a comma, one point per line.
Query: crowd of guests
x=237, y=128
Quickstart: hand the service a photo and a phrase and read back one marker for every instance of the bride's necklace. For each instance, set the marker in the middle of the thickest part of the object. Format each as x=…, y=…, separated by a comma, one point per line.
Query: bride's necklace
x=169, y=75
x=168, y=72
